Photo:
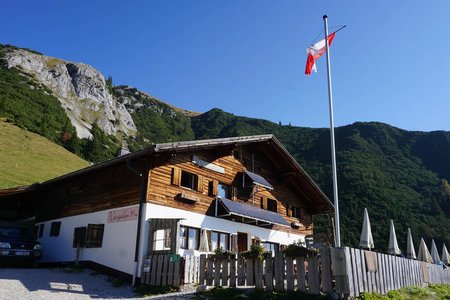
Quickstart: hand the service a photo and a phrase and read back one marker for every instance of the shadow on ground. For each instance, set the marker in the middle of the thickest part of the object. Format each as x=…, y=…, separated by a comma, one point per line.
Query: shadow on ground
x=25, y=283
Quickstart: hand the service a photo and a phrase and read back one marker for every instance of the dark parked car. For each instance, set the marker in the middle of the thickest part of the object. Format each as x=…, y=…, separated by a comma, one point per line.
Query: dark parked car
x=17, y=245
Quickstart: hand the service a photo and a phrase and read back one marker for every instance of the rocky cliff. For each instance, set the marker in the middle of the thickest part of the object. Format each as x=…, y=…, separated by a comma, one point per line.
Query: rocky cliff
x=80, y=88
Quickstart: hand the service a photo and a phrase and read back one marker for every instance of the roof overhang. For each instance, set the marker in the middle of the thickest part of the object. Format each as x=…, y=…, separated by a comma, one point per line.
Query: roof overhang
x=259, y=180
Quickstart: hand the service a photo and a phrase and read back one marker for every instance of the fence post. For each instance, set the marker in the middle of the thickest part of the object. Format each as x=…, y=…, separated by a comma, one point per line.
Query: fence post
x=340, y=267
x=202, y=267
x=233, y=271
x=217, y=262
x=259, y=274
x=224, y=263
x=301, y=278
x=279, y=271
x=241, y=270
x=250, y=262
x=289, y=273
x=313, y=275
x=209, y=270
x=325, y=284
x=268, y=272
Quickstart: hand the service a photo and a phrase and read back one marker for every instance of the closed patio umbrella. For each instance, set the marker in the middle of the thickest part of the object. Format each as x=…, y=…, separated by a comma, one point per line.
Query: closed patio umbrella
x=410, y=252
x=393, y=248
x=424, y=254
x=366, y=240
x=445, y=256
x=434, y=252
x=204, y=245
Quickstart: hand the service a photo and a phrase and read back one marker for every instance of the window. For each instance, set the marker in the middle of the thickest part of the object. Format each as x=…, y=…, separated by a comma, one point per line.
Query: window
x=189, y=180
x=224, y=191
x=161, y=239
x=94, y=235
x=219, y=240
x=272, y=205
x=41, y=230
x=55, y=228
x=79, y=237
x=270, y=247
x=189, y=238
x=296, y=212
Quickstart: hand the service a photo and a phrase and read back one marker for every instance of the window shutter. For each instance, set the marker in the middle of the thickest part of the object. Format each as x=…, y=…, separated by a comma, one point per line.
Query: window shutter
x=288, y=210
x=79, y=237
x=215, y=187
x=167, y=240
x=264, y=202
x=208, y=235
x=200, y=184
x=233, y=192
x=94, y=235
x=234, y=243
x=176, y=176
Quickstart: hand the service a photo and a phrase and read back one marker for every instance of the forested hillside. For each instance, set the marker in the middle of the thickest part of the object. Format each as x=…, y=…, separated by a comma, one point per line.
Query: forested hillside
x=396, y=174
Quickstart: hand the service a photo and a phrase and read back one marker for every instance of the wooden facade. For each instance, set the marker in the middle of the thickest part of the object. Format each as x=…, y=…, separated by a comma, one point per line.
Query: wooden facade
x=103, y=188
x=164, y=186
x=115, y=184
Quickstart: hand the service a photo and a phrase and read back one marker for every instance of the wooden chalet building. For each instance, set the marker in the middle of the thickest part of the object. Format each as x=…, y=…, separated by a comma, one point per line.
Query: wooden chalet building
x=179, y=198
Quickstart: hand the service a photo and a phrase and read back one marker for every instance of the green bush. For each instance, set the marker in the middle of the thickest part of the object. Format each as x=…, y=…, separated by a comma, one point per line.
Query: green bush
x=299, y=249
x=257, y=251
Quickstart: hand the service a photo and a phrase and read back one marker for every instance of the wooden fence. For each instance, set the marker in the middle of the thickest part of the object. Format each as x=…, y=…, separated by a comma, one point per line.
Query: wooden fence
x=357, y=270
x=191, y=269
x=162, y=270
x=353, y=270
x=311, y=275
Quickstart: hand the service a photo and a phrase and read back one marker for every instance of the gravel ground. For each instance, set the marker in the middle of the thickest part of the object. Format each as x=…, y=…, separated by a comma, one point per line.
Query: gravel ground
x=24, y=284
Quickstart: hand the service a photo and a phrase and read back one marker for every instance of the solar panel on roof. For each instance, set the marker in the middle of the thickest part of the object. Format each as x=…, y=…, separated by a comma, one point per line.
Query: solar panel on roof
x=259, y=180
x=245, y=210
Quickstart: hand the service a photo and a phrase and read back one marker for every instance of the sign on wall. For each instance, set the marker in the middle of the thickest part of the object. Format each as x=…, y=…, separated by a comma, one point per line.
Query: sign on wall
x=124, y=214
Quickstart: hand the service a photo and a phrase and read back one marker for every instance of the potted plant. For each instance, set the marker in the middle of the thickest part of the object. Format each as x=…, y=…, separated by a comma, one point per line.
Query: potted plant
x=256, y=251
x=299, y=249
x=221, y=253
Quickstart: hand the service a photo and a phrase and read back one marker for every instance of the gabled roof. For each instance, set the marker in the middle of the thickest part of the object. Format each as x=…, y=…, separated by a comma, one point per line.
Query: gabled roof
x=278, y=151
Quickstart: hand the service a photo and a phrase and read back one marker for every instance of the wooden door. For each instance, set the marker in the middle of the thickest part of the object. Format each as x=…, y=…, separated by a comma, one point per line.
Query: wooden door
x=242, y=242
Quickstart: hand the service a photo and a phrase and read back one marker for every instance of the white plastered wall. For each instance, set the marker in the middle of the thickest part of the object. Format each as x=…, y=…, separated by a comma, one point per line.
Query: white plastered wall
x=119, y=239
x=197, y=220
x=118, y=247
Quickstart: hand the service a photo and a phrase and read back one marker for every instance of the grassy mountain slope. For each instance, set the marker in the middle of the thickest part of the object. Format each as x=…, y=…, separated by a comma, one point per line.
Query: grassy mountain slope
x=26, y=157
x=396, y=174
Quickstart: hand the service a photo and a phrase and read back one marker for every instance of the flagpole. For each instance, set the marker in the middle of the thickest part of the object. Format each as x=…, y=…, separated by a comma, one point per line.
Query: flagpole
x=337, y=236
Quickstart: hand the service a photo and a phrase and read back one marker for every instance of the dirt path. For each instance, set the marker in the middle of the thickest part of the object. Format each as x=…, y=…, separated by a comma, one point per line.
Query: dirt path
x=17, y=283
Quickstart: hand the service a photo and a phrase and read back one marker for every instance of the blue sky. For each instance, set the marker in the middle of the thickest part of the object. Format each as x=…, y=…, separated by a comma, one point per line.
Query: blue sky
x=247, y=57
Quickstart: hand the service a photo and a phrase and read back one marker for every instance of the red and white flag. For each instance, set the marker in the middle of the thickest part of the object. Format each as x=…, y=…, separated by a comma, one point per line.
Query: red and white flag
x=314, y=52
